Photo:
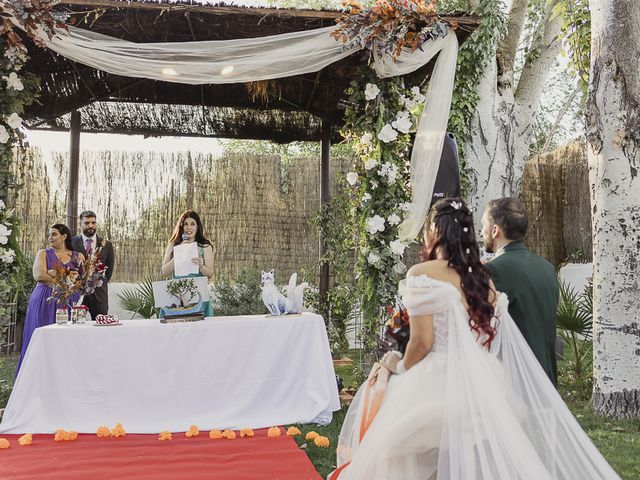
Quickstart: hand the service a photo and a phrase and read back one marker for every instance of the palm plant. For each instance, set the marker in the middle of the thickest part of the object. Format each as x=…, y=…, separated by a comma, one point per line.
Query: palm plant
x=139, y=300
x=574, y=317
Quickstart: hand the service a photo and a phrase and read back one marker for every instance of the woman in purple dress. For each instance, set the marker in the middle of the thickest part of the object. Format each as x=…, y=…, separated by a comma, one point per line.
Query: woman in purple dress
x=40, y=312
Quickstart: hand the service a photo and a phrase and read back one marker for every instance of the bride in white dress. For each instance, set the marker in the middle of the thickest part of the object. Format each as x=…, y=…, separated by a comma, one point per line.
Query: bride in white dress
x=468, y=401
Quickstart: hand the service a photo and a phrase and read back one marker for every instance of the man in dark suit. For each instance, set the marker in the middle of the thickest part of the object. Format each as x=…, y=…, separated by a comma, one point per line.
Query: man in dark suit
x=88, y=241
x=529, y=280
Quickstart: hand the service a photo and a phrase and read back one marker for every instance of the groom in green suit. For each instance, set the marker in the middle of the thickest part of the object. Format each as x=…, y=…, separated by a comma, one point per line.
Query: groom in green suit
x=529, y=280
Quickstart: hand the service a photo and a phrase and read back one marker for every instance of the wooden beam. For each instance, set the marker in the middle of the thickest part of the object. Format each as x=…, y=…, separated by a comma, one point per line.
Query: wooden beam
x=216, y=10
x=74, y=168
x=325, y=195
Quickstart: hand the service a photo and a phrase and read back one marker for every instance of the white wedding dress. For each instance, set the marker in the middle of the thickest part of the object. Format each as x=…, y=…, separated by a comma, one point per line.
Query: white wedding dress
x=465, y=413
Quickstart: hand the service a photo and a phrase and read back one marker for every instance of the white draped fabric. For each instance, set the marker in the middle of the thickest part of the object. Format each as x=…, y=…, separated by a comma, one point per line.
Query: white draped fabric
x=277, y=56
x=223, y=372
x=465, y=413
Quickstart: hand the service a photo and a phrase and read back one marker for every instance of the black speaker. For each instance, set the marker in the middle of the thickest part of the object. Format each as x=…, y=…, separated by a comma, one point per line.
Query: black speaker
x=448, y=177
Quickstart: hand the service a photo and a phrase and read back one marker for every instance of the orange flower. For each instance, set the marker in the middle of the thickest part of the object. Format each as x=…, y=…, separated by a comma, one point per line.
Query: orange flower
x=103, y=431
x=293, y=431
x=215, y=434
x=246, y=432
x=71, y=436
x=118, y=431
x=322, y=442
x=165, y=436
x=25, y=439
x=192, y=432
x=311, y=435
x=274, y=432
x=229, y=434
x=4, y=443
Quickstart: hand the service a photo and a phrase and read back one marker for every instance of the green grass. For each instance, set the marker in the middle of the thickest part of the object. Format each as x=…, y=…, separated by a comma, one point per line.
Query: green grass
x=618, y=440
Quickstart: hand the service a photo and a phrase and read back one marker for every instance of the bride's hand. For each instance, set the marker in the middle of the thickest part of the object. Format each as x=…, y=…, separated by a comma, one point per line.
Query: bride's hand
x=379, y=375
x=390, y=361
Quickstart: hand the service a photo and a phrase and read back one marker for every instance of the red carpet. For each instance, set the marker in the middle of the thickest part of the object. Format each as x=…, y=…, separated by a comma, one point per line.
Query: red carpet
x=144, y=457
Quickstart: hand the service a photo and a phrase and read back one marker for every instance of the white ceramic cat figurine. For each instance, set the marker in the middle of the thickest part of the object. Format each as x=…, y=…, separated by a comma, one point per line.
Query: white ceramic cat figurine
x=278, y=304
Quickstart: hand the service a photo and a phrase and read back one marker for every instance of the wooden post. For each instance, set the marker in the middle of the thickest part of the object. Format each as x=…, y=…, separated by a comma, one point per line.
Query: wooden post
x=74, y=167
x=325, y=186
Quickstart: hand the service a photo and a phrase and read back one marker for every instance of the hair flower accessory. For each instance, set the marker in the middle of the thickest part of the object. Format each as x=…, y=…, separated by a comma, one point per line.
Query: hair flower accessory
x=456, y=205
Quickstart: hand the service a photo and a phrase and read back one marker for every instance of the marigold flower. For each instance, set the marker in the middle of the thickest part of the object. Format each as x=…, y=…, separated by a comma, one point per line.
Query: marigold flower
x=103, y=431
x=274, y=432
x=60, y=436
x=229, y=434
x=192, y=432
x=25, y=439
x=311, y=435
x=246, y=432
x=215, y=434
x=4, y=443
x=118, y=431
x=293, y=431
x=71, y=436
x=322, y=442
x=165, y=436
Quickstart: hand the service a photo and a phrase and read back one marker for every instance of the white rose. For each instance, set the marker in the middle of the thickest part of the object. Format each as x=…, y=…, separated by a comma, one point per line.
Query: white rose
x=352, y=178
x=373, y=258
x=14, y=81
x=2, y=205
x=375, y=224
x=415, y=91
x=392, y=174
x=407, y=207
x=409, y=103
x=394, y=219
x=397, y=247
x=371, y=91
x=4, y=134
x=387, y=134
x=4, y=234
x=14, y=121
x=370, y=164
x=366, y=138
x=399, y=268
x=403, y=122
x=374, y=184
x=366, y=197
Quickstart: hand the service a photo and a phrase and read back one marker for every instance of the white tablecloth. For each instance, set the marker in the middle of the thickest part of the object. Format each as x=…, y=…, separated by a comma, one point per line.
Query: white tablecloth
x=222, y=372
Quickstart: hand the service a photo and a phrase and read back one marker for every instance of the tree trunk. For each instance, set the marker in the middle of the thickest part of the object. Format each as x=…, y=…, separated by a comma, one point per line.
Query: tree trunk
x=613, y=131
x=502, y=127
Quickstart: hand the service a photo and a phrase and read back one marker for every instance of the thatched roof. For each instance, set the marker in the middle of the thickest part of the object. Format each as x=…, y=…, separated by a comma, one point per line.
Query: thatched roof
x=281, y=110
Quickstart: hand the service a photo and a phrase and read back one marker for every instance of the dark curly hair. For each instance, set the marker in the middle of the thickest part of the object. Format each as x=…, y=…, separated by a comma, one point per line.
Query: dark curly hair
x=452, y=222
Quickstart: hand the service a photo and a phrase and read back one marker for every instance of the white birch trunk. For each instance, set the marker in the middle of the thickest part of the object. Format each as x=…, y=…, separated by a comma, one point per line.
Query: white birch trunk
x=613, y=131
x=502, y=128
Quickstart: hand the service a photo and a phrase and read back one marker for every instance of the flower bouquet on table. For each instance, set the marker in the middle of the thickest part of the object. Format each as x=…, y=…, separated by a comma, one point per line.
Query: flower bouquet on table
x=92, y=275
x=66, y=284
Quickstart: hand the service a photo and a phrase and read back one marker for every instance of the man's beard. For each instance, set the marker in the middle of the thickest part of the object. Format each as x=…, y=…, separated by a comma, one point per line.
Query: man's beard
x=89, y=232
x=488, y=245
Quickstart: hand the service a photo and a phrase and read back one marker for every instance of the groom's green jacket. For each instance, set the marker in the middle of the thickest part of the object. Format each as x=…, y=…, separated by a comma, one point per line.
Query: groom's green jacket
x=531, y=284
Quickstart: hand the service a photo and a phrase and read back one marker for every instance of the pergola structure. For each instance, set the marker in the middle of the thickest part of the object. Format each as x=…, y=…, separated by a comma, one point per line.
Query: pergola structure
x=307, y=107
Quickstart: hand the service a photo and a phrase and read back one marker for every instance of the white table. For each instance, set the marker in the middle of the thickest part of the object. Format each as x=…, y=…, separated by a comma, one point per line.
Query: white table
x=222, y=372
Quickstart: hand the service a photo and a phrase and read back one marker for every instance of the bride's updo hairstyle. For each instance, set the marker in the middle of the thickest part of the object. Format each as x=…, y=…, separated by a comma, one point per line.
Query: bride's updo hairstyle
x=450, y=233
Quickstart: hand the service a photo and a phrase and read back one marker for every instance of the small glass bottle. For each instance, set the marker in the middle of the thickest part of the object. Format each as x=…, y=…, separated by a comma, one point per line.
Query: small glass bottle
x=62, y=314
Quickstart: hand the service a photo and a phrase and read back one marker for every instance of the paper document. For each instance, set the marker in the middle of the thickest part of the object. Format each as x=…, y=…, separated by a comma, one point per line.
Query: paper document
x=182, y=255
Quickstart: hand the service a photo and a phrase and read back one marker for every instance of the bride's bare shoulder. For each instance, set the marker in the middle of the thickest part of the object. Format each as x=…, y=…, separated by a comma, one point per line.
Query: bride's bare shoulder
x=435, y=269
